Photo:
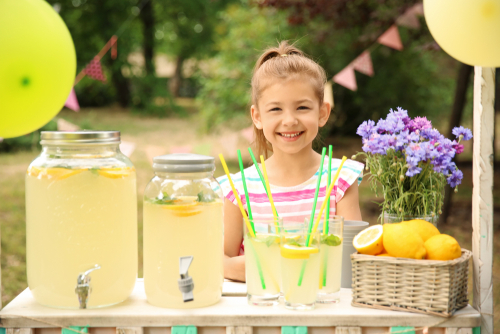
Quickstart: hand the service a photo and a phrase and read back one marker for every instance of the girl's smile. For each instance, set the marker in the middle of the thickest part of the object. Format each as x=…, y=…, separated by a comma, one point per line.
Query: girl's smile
x=290, y=136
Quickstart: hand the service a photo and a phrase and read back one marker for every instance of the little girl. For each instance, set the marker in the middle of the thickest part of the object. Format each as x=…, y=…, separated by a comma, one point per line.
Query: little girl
x=287, y=110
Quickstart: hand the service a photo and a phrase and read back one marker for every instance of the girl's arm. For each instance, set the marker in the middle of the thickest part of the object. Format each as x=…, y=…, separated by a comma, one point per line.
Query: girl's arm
x=348, y=206
x=234, y=265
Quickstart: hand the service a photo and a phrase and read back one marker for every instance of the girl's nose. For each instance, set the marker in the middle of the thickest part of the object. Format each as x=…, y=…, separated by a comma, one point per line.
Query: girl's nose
x=289, y=119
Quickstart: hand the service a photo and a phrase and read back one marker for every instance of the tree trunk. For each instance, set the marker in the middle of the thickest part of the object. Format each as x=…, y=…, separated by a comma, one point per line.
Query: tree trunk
x=174, y=84
x=463, y=81
x=148, y=22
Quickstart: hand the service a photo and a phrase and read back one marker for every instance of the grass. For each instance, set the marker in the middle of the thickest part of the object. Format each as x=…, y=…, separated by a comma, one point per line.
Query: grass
x=165, y=133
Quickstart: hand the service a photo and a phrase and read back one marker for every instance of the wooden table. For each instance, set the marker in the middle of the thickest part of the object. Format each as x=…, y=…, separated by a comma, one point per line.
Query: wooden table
x=231, y=315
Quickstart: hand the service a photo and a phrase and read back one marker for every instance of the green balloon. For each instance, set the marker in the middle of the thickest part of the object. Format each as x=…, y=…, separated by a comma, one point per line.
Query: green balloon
x=37, y=65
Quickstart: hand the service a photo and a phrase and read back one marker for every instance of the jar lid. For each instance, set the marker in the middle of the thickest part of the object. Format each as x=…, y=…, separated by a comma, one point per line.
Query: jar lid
x=79, y=137
x=183, y=163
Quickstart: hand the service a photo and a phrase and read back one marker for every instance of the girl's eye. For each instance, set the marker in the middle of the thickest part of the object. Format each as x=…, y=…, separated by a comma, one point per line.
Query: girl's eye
x=303, y=108
x=275, y=109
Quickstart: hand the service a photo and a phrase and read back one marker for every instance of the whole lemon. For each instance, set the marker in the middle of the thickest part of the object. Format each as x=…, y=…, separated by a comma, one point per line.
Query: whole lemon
x=385, y=254
x=400, y=240
x=423, y=228
x=442, y=247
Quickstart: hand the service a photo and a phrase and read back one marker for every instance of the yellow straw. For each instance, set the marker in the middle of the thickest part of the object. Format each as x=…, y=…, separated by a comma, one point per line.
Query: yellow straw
x=235, y=192
x=327, y=197
x=269, y=193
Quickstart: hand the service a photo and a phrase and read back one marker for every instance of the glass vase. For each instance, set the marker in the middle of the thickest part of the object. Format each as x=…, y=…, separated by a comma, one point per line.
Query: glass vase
x=391, y=218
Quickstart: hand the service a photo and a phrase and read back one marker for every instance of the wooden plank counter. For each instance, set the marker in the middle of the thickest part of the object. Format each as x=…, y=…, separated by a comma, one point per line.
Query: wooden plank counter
x=232, y=310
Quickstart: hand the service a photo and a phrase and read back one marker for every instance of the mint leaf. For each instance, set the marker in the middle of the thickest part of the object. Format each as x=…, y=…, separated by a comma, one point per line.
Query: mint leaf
x=270, y=241
x=294, y=243
x=165, y=200
x=206, y=197
x=94, y=170
x=331, y=240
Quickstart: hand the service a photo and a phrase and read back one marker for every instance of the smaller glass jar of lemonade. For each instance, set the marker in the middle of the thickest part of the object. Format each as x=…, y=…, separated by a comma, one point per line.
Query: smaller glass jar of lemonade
x=81, y=221
x=183, y=229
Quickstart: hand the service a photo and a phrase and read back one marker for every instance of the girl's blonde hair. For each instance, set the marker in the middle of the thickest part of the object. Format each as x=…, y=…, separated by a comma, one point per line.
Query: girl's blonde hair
x=283, y=62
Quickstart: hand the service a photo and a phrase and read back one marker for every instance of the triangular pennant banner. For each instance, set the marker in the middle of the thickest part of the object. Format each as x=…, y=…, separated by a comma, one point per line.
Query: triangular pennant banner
x=248, y=134
x=346, y=78
x=363, y=63
x=127, y=148
x=72, y=101
x=114, y=51
x=63, y=125
x=94, y=70
x=409, y=18
x=391, y=38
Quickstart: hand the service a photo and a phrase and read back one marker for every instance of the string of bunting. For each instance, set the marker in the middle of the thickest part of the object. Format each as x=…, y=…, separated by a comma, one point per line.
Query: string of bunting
x=390, y=38
x=94, y=68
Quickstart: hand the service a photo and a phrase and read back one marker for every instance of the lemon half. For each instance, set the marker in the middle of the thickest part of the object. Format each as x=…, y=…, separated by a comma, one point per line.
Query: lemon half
x=369, y=241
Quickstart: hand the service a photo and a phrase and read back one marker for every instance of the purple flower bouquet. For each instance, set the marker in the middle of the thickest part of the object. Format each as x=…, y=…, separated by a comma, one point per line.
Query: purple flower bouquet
x=410, y=162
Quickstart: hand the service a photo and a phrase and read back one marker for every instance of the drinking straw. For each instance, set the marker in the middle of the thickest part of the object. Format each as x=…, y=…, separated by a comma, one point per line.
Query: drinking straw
x=326, y=227
x=240, y=160
x=270, y=194
x=327, y=198
x=261, y=177
x=235, y=192
x=318, y=184
x=245, y=218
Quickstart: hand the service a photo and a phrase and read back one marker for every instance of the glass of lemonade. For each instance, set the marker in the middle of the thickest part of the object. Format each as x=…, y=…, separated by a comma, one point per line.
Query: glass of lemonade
x=262, y=262
x=183, y=219
x=81, y=219
x=331, y=243
x=299, y=266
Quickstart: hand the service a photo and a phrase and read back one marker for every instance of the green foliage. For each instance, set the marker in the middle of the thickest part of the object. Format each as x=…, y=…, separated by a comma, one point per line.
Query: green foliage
x=420, y=195
x=31, y=141
x=244, y=32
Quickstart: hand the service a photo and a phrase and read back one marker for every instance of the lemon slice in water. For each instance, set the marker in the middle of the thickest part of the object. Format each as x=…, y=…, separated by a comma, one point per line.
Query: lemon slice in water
x=297, y=252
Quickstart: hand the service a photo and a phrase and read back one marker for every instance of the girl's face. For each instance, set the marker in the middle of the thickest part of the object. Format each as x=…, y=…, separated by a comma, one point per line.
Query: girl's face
x=290, y=115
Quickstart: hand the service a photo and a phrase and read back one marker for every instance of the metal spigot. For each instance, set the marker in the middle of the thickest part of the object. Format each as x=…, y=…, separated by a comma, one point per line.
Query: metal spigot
x=83, y=288
x=186, y=284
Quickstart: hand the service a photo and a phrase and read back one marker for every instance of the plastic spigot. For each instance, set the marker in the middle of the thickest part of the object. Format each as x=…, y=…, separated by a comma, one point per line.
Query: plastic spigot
x=186, y=284
x=83, y=287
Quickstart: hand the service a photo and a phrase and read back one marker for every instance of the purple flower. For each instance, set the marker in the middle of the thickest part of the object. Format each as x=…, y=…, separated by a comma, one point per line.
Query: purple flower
x=421, y=123
x=366, y=129
x=459, y=148
x=455, y=178
x=465, y=133
x=431, y=134
x=412, y=171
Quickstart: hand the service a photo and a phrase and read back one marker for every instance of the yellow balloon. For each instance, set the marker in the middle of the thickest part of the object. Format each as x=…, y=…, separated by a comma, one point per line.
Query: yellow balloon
x=37, y=65
x=468, y=30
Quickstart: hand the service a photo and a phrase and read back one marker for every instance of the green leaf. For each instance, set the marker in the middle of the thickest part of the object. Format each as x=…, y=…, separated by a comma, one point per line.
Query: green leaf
x=206, y=197
x=331, y=240
x=94, y=170
x=270, y=241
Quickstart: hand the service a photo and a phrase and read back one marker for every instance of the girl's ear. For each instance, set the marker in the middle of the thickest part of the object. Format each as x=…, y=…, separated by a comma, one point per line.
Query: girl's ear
x=256, y=117
x=324, y=114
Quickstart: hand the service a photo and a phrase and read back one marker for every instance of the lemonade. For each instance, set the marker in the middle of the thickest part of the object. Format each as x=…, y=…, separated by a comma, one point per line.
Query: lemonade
x=331, y=260
x=183, y=227
x=300, y=264
x=77, y=218
x=262, y=251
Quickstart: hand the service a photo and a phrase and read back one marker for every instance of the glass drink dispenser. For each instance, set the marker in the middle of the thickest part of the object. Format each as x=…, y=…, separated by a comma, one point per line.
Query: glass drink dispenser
x=183, y=228
x=81, y=221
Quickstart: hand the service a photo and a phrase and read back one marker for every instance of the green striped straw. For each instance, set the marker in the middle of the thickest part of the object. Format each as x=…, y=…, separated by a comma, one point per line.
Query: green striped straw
x=261, y=176
x=311, y=222
x=242, y=170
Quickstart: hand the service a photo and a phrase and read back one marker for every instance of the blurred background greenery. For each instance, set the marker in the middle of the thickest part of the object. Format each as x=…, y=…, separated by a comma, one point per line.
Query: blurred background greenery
x=184, y=69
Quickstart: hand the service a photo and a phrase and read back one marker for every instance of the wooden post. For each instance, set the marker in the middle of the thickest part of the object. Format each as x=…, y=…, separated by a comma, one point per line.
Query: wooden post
x=482, y=194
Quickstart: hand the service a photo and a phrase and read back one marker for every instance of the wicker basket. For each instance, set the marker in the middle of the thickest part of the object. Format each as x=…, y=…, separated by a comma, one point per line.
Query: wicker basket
x=423, y=286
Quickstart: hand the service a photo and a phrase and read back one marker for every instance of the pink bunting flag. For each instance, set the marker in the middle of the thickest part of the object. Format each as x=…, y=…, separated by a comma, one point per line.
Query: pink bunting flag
x=94, y=70
x=248, y=134
x=391, y=38
x=363, y=63
x=63, y=125
x=346, y=78
x=409, y=18
x=181, y=149
x=127, y=148
x=72, y=101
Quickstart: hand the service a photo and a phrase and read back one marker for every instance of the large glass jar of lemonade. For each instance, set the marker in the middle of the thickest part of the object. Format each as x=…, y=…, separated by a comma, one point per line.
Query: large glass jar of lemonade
x=81, y=221
x=183, y=228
